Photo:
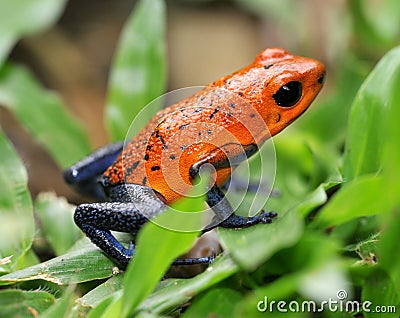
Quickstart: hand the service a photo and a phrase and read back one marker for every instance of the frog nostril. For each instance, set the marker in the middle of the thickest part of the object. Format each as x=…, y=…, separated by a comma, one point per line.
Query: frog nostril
x=321, y=78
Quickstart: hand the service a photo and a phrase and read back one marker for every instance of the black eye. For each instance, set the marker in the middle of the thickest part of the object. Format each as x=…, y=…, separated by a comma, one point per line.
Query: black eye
x=288, y=95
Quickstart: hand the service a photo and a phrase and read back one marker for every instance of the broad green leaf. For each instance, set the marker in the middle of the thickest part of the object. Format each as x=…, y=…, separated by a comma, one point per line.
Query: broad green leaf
x=74, y=267
x=16, y=212
x=315, y=199
x=380, y=290
x=22, y=17
x=174, y=293
x=364, y=196
x=20, y=303
x=308, y=254
x=62, y=308
x=179, y=292
x=99, y=310
x=389, y=258
x=56, y=217
x=43, y=114
x=101, y=292
x=391, y=154
x=114, y=309
x=218, y=302
x=366, y=131
x=138, y=73
x=252, y=246
x=148, y=315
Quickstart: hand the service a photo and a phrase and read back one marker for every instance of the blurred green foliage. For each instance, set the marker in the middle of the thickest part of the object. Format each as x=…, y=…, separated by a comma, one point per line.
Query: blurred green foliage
x=338, y=172
x=23, y=17
x=139, y=68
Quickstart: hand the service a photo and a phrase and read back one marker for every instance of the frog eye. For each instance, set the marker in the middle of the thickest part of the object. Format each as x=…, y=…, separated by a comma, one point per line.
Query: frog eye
x=288, y=94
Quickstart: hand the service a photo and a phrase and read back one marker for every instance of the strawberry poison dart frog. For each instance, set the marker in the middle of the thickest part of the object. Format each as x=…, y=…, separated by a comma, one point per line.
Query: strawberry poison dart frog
x=220, y=125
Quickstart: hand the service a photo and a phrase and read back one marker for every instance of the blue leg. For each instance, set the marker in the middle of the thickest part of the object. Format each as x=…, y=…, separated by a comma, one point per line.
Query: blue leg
x=225, y=216
x=84, y=174
x=96, y=220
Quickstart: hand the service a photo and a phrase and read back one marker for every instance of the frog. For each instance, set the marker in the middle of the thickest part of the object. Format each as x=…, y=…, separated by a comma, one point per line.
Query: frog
x=220, y=126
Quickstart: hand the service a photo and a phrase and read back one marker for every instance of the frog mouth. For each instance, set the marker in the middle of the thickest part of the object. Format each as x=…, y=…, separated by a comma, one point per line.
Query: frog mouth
x=248, y=151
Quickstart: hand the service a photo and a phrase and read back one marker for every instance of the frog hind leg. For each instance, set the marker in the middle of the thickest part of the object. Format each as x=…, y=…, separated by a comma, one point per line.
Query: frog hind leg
x=96, y=220
x=83, y=176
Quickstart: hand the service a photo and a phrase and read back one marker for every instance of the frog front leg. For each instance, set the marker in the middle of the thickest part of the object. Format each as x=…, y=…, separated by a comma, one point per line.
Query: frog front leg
x=83, y=175
x=226, y=217
x=224, y=214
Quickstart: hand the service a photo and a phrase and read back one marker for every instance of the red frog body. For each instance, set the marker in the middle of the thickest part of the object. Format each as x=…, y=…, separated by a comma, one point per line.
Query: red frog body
x=221, y=125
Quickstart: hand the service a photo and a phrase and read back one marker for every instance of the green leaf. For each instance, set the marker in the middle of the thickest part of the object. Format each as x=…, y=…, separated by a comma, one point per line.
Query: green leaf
x=99, y=310
x=23, y=17
x=366, y=131
x=16, y=212
x=391, y=155
x=316, y=198
x=74, y=267
x=43, y=114
x=115, y=309
x=20, y=303
x=148, y=315
x=138, y=73
x=386, y=277
x=56, y=217
x=62, y=308
x=380, y=291
x=388, y=257
x=101, y=292
x=179, y=292
x=169, y=294
x=158, y=247
x=215, y=303
x=252, y=246
x=310, y=253
x=361, y=197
